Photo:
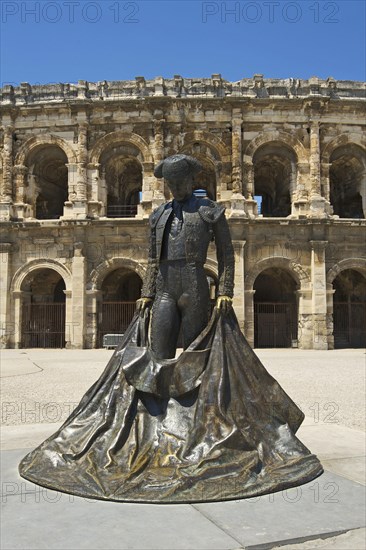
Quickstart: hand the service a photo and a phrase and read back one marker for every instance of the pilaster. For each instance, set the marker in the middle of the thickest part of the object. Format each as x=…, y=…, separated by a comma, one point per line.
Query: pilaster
x=319, y=297
x=6, y=327
x=317, y=203
x=78, y=320
x=239, y=299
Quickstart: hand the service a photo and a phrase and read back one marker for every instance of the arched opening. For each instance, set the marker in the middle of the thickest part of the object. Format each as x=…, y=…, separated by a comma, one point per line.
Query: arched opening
x=349, y=310
x=275, y=309
x=122, y=172
x=47, y=188
x=43, y=310
x=120, y=290
x=206, y=180
x=347, y=176
x=274, y=177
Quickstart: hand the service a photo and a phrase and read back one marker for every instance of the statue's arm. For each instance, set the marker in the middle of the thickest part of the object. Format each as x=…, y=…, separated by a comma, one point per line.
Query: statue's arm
x=225, y=257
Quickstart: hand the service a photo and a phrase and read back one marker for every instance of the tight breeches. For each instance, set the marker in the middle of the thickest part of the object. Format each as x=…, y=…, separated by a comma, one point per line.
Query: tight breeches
x=181, y=302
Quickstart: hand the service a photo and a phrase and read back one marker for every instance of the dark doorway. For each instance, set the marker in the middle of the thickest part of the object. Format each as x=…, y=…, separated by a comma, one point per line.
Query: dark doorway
x=275, y=310
x=349, y=310
x=43, y=317
x=121, y=289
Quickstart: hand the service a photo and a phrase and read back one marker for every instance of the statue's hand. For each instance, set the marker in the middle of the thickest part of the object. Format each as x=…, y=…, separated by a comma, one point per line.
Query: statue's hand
x=224, y=303
x=142, y=304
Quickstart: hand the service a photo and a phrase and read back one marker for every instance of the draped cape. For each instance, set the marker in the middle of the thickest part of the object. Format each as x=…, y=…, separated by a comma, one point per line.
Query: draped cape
x=209, y=425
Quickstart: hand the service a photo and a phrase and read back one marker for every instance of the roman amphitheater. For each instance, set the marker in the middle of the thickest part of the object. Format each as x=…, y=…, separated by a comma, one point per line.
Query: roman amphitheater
x=285, y=157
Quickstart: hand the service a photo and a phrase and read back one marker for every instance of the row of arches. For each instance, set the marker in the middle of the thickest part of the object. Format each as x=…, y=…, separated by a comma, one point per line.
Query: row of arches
x=273, y=171
x=276, y=311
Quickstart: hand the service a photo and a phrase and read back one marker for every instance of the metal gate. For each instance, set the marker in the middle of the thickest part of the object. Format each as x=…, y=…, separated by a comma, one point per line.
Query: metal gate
x=114, y=318
x=275, y=324
x=43, y=325
x=349, y=324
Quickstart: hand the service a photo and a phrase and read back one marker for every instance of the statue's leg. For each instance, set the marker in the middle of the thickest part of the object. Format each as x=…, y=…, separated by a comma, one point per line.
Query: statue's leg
x=165, y=325
x=194, y=303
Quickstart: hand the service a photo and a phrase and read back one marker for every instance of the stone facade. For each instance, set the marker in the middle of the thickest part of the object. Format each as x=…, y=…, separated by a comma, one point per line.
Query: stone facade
x=285, y=157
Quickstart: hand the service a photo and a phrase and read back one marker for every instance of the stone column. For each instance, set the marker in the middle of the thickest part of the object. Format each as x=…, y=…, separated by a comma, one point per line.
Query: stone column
x=330, y=325
x=18, y=297
x=317, y=202
x=305, y=319
x=69, y=329
x=300, y=203
x=319, y=297
x=148, y=191
x=158, y=184
x=21, y=209
x=238, y=300
x=6, y=186
x=95, y=203
x=76, y=205
x=72, y=169
x=6, y=327
x=325, y=186
x=237, y=206
x=249, y=316
x=78, y=298
x=80, y=189
x=94, y=297
x=251, y=206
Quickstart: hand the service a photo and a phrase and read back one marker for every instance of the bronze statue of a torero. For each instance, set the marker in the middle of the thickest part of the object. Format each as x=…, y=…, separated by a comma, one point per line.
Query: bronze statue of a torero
x=176, y=283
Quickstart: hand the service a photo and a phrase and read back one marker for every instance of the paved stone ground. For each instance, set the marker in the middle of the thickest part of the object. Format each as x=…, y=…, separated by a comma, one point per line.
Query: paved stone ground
x=41, y=387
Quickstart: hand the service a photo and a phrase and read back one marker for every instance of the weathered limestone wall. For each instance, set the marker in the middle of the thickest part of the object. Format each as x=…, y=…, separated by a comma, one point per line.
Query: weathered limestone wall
x=300, y=137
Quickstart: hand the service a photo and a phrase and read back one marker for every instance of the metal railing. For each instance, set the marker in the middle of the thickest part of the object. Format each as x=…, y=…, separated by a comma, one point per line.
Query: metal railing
x=122, y=211
x=43, y=325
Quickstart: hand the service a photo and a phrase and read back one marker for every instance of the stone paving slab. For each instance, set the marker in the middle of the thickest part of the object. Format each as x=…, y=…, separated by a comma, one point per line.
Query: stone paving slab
x=328, y=505
x=353, y=540
x=50, y=519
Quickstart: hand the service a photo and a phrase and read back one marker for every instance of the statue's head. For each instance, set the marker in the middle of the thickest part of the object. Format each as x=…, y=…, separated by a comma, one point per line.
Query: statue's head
x=178, y=171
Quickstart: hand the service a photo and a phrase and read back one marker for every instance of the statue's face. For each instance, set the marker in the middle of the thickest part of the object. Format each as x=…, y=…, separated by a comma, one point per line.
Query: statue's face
x=181, y=188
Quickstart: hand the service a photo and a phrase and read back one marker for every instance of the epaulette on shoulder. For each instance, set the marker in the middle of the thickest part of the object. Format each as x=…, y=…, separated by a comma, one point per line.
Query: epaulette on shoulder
x=210, y=211
x=157, y=213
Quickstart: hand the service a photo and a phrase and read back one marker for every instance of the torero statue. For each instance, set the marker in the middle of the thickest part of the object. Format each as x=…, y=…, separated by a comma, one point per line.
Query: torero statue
x=176, y=283
x=211, y=424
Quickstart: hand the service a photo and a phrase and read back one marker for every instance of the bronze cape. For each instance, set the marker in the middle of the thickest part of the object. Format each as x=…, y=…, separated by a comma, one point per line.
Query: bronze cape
x=210, y=425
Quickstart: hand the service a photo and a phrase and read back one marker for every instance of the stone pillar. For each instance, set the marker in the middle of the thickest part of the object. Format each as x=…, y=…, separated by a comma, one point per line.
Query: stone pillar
x=158, y=185
x=325, y=186
x=300, y=203
x=330, y=310
x=319, y=297
x=237, y=206
x=238, y=300
x=317, y=202
x=21, y=209
x=68, y=319
x=6, y=327
x=19, y=297
x=95, y=203
x=6, y=186
x=80, y=202
x=148, y=190
x=72, y=169
x=249, y=316
x=251, y=206
x=76, y=205
x=78, y=298
x=305, y=319
x=94, y=298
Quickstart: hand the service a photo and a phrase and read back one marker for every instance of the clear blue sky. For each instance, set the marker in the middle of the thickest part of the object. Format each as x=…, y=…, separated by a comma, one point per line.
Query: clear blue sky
x=69, y=40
